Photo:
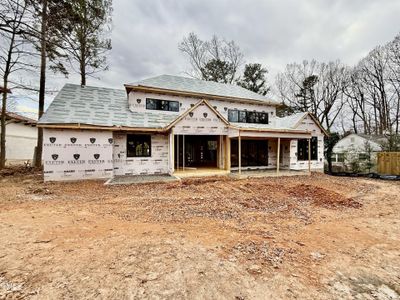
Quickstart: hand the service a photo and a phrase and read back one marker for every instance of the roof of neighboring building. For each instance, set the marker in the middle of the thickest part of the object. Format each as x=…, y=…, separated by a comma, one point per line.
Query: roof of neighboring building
x=19, y=118
x=376, y=138
x=76, y=104
x=200, y=88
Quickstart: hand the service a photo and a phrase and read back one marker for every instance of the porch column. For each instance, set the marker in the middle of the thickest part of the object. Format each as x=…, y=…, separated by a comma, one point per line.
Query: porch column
x=227, y=153
x=171, y=153
x=278, y=155
x=309, y=155
x=240, y=153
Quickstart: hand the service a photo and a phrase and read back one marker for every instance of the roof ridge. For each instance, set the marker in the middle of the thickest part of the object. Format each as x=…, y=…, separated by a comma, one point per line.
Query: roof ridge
x=92, y=86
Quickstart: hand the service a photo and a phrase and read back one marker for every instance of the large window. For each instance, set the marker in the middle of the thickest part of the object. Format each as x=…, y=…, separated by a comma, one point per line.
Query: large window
x=138, y=145
x=243, y=116
x=302, y=149
x=157, y=104
x=254, y=153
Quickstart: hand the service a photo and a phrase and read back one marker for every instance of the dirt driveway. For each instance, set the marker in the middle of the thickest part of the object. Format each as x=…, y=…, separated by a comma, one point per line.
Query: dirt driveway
x=315, y=237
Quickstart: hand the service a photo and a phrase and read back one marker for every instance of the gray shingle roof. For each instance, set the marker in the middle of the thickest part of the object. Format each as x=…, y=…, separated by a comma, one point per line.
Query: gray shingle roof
x=76, y=104
x=191, y=85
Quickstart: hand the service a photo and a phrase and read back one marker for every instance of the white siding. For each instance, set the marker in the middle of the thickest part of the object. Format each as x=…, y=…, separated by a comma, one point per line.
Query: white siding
x=20, y=141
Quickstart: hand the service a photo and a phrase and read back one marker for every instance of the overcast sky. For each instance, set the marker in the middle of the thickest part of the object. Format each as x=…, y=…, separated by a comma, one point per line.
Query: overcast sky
x=146, y=33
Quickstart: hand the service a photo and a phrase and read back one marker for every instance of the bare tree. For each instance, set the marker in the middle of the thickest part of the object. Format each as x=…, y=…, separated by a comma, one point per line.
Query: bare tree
x=214, y=60
x=315, y=87
x=12, y=53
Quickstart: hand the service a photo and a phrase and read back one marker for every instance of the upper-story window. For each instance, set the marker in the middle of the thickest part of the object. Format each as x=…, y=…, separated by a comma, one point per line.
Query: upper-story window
x=243, y=116
x=157, y=104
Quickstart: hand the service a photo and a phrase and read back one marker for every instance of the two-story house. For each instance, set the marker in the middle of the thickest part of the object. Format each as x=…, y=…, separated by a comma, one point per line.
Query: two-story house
x=169, y=124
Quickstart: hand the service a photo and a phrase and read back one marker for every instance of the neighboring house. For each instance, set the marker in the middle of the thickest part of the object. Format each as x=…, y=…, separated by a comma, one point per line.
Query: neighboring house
x=169, y=123
x=356, y=150
x=21, y=138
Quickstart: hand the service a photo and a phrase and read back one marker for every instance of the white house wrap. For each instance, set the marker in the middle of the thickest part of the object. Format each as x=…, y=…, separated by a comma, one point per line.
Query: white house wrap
x=166, y=124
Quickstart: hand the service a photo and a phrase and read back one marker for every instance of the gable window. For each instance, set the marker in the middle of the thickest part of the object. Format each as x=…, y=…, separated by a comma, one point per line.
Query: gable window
x=138, y=145
x=302, y=149
x=166, y=105
x=243, y=116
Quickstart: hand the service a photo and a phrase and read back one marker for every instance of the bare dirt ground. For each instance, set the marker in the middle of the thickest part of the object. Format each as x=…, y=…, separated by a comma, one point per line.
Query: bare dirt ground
x=303, y=237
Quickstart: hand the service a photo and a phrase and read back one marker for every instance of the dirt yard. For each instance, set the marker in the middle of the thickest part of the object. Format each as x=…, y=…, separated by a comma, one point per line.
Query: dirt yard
x=315, y=237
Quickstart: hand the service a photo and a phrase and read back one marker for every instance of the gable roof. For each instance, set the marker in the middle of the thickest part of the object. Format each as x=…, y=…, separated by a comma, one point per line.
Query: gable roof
x=199, y=88
x=88, y=105
x=205, y=102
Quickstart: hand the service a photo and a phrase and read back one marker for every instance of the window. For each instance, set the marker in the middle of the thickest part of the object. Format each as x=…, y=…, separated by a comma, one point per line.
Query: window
x=340, y=157
x=302, y=149
x=166, y=105
x=254, y=153
x=242, y=116
x=138, y=145
x=363, y=156
x=233, y=115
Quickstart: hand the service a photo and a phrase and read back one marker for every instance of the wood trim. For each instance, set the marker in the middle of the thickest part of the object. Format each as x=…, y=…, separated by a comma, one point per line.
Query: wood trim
x=93, y=127
x=143, y=88
x=271, y=130
x=228, y=153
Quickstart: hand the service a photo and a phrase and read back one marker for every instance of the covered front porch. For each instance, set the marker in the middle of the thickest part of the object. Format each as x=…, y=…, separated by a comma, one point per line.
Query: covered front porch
x=274, y=153
x=248, y=153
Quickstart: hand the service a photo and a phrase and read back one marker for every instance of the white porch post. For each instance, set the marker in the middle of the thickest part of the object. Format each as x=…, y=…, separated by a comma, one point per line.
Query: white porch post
x=240, y=154
x=309, y=156
x=227, y=153
x=278, y=155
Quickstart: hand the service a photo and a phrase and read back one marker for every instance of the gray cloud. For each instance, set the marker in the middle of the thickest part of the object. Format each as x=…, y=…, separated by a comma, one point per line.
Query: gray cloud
x=146, y=33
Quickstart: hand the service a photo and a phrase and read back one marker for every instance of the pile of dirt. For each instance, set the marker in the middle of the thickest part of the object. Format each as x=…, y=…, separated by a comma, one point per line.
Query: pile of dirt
x=18, y=170
x=322, y=197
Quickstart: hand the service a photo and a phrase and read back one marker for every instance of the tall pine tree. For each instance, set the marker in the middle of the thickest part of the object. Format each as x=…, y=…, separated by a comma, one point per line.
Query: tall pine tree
x=87, y=42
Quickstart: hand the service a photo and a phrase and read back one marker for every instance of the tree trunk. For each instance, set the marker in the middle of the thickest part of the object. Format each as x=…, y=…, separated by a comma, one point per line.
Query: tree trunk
x=42, y=88
x=4, y=105
x=3, y=127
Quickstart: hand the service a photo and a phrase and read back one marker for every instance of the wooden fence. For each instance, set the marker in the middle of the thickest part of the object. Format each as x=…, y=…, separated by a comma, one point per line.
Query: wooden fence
x=389, y=163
